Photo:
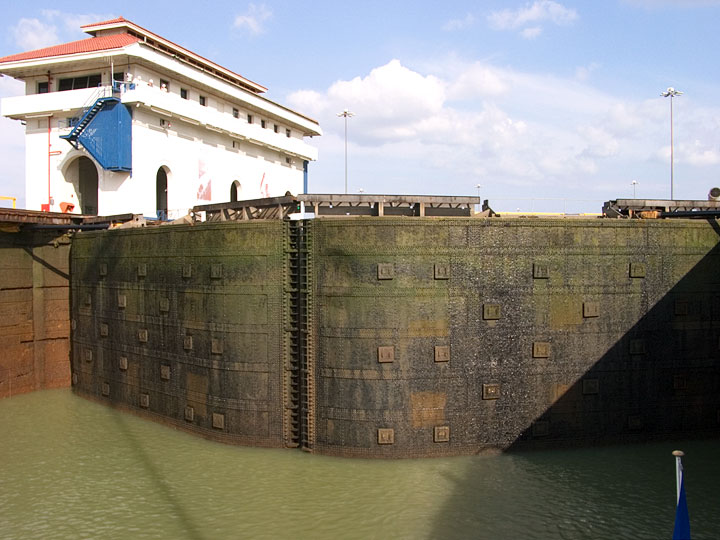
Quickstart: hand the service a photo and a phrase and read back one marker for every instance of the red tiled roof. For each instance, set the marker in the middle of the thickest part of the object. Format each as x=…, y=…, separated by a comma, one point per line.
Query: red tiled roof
x=115, y=41
x=122, y=22
x=111, y=21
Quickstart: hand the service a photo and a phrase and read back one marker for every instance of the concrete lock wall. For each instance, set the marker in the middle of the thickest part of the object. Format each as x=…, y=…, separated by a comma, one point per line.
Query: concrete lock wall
x=185, y=325
x=449, y=336
x=34, y=312
x=400, y=337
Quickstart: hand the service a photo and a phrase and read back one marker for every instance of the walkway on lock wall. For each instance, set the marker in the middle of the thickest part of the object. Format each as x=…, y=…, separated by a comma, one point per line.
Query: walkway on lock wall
x=332, y=205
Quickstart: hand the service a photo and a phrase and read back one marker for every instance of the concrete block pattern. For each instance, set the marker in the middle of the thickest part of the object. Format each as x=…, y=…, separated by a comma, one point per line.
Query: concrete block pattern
x=381, y=337
x=196, y=325
x=561, y=331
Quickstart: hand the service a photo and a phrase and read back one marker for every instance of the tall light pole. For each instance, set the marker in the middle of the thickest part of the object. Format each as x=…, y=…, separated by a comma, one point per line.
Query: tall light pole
x=671, y=93
x=478, y=186
x=346, y=114
x=634, y=183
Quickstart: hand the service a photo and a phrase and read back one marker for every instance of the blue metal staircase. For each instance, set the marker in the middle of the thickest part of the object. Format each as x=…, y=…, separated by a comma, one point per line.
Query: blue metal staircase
x=86, y=118
x=105, y=131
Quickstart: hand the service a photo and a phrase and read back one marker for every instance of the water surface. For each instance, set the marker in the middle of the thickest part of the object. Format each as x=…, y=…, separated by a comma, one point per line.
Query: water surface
x=70, y=468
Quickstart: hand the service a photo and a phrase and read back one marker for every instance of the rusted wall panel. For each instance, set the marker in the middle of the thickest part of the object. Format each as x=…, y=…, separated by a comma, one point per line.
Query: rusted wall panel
x=34, y=312
x=450, y=336
x=17, y=369
x=16, y=262
x=16, y=315
x=185, y=324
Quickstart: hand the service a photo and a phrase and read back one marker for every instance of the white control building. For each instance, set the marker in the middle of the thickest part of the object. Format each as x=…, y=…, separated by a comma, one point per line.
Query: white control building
x=127, y=121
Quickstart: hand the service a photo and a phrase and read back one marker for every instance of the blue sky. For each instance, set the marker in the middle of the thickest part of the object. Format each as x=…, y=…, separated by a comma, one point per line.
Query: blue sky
x=533, y=100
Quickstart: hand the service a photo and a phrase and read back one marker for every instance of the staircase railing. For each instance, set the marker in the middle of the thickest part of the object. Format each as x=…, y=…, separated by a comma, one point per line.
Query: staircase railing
x=101, y=92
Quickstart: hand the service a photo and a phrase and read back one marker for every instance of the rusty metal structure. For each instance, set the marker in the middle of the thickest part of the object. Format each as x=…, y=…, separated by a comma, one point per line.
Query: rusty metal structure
x=662, y=208
x=15, y=220
x=34, y=296
x=309, y=206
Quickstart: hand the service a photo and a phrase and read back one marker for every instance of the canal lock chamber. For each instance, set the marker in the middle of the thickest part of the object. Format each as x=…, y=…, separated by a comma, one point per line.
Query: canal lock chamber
x=397, y=337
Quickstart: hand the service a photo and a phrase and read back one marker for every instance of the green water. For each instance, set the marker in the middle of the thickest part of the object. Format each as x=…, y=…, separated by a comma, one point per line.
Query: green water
x=70, y=468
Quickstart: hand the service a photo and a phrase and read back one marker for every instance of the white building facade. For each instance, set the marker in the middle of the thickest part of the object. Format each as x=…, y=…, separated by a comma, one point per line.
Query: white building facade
x=127, y=121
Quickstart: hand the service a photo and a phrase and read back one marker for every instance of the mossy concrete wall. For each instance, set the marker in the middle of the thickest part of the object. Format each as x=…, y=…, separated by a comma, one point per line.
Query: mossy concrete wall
x=400, y=337
x=185, y=325
x=450, y=336
x=34, y=312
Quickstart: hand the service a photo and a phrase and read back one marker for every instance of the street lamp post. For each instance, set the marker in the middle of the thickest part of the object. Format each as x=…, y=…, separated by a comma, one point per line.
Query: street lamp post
x=634, y=183
x=346, y=113
x=478, y=188
x=671, y=93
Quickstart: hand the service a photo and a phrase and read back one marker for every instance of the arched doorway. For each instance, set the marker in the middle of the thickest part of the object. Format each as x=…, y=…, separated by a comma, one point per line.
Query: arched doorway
x=235, y=189
x=161, y=193
x=83, y=174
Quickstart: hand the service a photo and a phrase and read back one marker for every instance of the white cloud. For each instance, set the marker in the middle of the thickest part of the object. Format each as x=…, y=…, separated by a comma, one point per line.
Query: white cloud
x=477, y=80
x=52, y=28
x=392, y=91
x=462, y=123
x=582, y=73
x=31, y=34
x=459, y=24
x=698, y=153
x=673, y=3
x=527, y=18
x=73, y=21
x=309, y=101
x=599, y=142
x=253, y=20
x=389, y=103
x=540, y=10
x=531, y=33
x=396, y=106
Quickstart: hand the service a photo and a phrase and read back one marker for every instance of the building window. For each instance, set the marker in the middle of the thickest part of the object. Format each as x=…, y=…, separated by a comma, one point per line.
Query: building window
x=250, y=119
x=287, y=132
x=276, y=128
x=235, y=189
x=202, y=101
x=164, y=85
x=184, y=93
x=236, y=113
x=263, y=124
x=75, y=83
x=43, y=87
x=118, y=78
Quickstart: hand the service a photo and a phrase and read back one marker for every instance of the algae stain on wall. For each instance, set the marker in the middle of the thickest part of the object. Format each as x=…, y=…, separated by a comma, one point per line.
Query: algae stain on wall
x=424, y=338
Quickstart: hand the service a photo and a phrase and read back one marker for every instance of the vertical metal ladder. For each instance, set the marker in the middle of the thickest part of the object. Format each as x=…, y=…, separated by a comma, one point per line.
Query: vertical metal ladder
x=297, y=330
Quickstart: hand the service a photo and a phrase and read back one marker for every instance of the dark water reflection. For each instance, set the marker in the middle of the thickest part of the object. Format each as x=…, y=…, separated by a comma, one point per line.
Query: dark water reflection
x=70, y=468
